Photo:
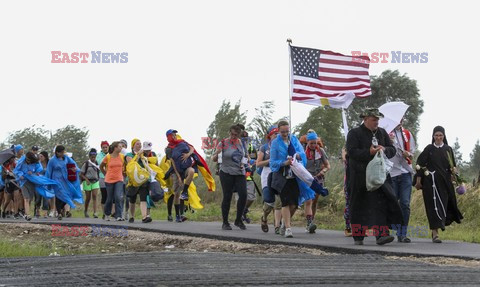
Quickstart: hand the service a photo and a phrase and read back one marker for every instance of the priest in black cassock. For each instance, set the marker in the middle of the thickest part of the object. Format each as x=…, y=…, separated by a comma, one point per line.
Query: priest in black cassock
x=377, y=209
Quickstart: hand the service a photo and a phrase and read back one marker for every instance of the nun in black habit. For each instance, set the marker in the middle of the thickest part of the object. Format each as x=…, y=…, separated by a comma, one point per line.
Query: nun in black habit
x=378, y=209
x=435, y=170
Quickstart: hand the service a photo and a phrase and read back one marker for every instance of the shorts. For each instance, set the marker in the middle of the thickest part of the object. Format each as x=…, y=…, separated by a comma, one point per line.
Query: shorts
x=142, y=190
x=290, y=193
x=251, y=193
x=278, y=203
x=90, y=187
x=28, y=190
x=11, y=186
x=177, y=186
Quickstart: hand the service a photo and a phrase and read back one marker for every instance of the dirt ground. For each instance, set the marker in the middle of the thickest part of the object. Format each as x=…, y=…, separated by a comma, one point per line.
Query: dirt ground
x=137, y=241
x=140, y=241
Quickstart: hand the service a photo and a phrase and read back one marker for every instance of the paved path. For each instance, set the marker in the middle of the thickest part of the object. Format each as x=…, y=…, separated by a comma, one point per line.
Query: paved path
x=220, y=269
x=328, y=240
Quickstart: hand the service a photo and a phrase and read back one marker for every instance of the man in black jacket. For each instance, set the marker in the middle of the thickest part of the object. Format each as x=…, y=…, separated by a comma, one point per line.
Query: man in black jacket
x=377, y=209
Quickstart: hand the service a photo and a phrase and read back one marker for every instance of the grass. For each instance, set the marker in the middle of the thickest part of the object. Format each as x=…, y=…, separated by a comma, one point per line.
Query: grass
x=23, y=249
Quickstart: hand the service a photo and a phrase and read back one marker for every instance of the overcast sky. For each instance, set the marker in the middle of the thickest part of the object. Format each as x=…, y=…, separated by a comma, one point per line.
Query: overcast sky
x=185, y=57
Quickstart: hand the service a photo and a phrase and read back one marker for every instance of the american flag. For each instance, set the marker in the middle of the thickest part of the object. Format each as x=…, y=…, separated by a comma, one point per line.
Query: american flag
x=318, y=74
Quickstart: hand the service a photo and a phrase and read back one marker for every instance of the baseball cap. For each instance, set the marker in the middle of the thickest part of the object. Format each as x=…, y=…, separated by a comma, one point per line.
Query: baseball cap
x=170, y=131
x=147, y=145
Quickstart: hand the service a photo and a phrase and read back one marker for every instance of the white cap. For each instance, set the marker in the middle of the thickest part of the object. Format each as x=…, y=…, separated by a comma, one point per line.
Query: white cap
x=147, y=145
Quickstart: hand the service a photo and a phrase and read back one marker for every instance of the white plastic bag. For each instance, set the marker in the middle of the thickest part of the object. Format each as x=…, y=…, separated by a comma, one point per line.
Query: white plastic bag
x=376, y=172
x=301, y=172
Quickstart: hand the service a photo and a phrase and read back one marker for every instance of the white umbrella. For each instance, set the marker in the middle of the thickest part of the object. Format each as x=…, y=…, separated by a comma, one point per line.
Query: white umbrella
x=393, y=113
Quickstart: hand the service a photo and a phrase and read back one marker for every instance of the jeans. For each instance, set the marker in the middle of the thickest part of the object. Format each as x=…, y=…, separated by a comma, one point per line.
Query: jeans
x=402, y=186
x=114, y=190
x=231, y=183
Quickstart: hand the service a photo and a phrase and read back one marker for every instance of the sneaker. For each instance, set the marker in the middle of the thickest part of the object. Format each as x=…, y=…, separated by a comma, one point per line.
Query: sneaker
x=86, y=215
x=51, y=214
x=131, y=220
x=147, y=219
x=16, y=216
x=27, y=218
x=311, y=228
x=95, y=215
x=277, y=230
x=282, y=230
x=68, y=214
x=120, y=219
x=245, y=217
x=385, y=239
x=404, y=239
x=288, y=233
x=240, y=225
x=170, y=218
x=178, y=218
x=226, y=226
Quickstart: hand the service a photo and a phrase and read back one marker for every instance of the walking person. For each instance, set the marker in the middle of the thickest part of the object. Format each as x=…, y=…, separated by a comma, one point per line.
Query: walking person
x=138, y=155
x=124, y=151
x=318, y=165
x=379, y=207
x=64, y=171
x=11, y=186
x=402, y=174
x=436, y=168
x=271, y=201
x=346, y=211
x=48, y=205
x=103, y=190
x=29, y=165
x=232, y=175
x=292, y=191
x=113, y=166
x=90, y=173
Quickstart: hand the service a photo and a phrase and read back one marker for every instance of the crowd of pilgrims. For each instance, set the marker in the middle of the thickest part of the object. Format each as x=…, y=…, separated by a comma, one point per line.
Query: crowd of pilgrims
x=121, y=173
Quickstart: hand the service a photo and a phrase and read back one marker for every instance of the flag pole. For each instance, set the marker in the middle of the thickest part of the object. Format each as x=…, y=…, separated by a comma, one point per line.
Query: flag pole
x=289, y=41
x=345, y=126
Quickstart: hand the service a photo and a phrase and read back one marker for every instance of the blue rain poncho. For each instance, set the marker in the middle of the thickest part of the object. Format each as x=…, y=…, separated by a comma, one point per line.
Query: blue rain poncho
x=28, y=172
x=278, y=155
x=67, y=191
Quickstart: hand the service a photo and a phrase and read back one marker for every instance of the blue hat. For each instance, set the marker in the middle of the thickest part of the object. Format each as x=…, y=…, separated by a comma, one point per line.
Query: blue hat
x=18, y=147
x=170, y=131
x=312, y=136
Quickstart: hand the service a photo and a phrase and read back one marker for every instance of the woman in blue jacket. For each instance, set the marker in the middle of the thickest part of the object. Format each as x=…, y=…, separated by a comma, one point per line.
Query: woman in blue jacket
x=293, y=192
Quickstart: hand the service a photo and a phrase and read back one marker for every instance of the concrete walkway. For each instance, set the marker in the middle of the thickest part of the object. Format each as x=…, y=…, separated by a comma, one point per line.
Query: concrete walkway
x=328, y=240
